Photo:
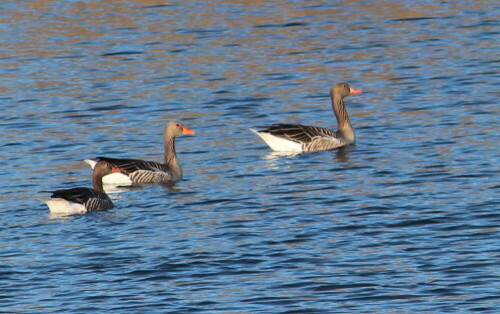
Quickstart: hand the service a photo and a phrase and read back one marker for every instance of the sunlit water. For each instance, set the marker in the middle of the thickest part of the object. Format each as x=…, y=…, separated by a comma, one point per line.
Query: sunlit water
x=407, y=220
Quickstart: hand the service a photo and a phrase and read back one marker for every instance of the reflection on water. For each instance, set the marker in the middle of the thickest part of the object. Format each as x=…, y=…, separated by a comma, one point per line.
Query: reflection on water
x=341, y=155
x=405, y=220
x=277, y=155
x=60, y=216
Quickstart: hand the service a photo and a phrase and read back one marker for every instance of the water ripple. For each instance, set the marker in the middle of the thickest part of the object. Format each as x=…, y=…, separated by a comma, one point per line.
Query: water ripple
x=406, y=220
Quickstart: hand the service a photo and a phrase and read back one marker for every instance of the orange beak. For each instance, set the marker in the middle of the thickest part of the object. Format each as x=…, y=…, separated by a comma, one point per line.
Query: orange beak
x=114, y=169
x=354, y=91
x=187, y=131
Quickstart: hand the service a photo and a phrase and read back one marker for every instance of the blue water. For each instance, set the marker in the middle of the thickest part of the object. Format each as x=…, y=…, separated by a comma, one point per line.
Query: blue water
x=407, y=220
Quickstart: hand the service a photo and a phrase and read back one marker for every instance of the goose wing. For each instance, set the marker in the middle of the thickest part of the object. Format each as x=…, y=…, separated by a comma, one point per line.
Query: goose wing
x=298, y=132
x=129, y=166
x=92, y=200
x=149, y=176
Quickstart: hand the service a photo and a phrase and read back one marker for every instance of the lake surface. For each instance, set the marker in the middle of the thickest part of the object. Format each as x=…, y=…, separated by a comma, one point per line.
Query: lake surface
x=405, y=221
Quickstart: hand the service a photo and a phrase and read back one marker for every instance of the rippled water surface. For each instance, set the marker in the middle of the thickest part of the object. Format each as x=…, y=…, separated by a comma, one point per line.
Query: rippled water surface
x=407, y=220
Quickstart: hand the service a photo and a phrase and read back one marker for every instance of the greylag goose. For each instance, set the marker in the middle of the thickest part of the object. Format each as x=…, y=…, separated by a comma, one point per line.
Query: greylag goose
x=135, y=171
x=303, y=138
x=82, y=200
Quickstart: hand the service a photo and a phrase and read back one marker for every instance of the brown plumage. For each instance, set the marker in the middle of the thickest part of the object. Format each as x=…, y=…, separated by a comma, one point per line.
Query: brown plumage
x=141, y=171
x=304, y=138
x=81, y=200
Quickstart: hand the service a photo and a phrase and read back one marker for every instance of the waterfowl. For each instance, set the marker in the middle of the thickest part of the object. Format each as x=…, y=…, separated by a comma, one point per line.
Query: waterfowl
x=136, y=171
x=81, y=200
x=303, y=138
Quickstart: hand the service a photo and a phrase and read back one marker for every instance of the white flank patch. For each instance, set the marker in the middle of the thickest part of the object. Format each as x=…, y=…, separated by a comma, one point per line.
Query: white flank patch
x=279, y=144
x=114, y=178
x=62, y=206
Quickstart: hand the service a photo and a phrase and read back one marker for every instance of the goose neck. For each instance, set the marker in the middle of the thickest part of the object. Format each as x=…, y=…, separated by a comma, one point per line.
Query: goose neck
x=343, y=122
x=170, y=155
x=97, y=181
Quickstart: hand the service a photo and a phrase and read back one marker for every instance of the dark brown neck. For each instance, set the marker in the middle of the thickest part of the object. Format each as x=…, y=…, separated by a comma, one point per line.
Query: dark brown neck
x=97, y=180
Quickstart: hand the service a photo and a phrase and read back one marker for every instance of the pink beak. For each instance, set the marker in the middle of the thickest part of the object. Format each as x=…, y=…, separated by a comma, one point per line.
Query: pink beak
x=354, y=91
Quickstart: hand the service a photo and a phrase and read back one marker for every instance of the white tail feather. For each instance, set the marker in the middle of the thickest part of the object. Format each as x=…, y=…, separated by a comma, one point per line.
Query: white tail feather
x=90, y=162
x=62, y=206
x=277, y=143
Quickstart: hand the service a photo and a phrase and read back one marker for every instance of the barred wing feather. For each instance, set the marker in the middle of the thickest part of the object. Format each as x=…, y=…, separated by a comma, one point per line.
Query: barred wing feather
x=151, y=176
x=299, y=133
x=322, y=143
x=129, y=166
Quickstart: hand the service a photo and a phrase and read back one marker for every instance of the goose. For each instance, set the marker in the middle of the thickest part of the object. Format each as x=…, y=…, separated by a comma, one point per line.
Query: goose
x=304, y=138
x=81, y=200
x=136, y=171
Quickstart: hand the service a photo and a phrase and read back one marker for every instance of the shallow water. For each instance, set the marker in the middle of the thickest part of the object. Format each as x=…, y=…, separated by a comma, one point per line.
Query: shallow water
x=406, y=220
